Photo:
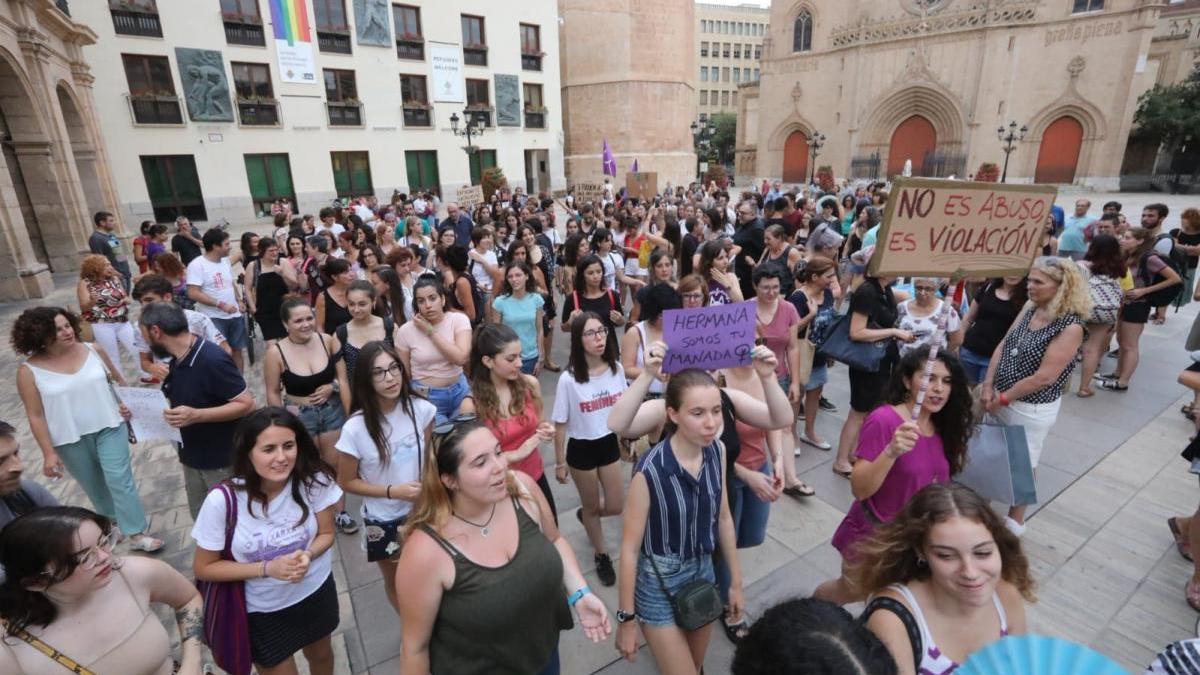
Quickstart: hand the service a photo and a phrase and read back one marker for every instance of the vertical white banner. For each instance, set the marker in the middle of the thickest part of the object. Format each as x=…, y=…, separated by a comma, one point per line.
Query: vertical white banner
x=296, y=63
x=447, y=64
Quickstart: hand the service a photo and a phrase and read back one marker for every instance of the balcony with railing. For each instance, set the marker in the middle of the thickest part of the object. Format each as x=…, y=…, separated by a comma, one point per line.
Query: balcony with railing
x=535, y=118
x=332, y=41
x=155, y=109
x=410, y=46
x=480, y=117
x=532, y=60
x=258, y=112
x=244, y=30
x=344, y=113
x=475, y=55
x=418, y=115
x=137, y=22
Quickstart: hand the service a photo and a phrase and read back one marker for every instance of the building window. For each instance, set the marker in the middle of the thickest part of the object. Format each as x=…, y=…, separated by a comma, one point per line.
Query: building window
x=724, y=98
x=422, y=170
x=724, y=74
x=725, y=50
x=174, y=187
x=410, y=43
x=415, y=99
x=341, y=98
x=333, y=30
x=756, y=75
x=737, y=51
x=351, y=174
x=703, y=97
x=746, y=51
x=1087, y=6
x=135, y=17
x=733, y=99
x=243, y=23
x=745, y=74
x=802, y=32
x=703, y=49
x=704, y=73
x=151, y=90
x=479, y=104
x=531, y=47
x=757, y=52
x=535, y=111
x=270, y=178
x=479, y=161
x=255, y=96
x=737, y=75
x=475, y=52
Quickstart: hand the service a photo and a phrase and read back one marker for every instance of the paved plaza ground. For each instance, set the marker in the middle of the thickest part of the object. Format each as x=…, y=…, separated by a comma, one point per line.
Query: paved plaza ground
x=1107, y=572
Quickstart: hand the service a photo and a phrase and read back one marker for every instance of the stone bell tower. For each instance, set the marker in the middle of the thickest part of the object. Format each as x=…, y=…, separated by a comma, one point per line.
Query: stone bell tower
x=628, y=75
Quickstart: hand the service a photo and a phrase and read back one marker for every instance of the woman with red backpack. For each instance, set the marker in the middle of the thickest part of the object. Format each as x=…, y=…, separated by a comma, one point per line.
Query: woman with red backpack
x=592, y=294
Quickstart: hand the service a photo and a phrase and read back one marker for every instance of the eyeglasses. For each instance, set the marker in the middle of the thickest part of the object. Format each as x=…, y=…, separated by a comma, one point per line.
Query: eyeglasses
x=595, y=332
x=692, y=296
x=442, y=430
x=381, y=374
x=89, y=558
x=925, y=289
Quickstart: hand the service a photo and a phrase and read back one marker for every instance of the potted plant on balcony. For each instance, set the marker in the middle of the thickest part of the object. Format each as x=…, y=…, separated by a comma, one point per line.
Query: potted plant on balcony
x=475, y=46
x=492, y=180
x=988, y=173
x=417, y=105
x=407, y=36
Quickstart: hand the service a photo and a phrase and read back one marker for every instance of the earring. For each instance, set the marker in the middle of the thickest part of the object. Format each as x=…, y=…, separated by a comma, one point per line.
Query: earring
x=921, y=562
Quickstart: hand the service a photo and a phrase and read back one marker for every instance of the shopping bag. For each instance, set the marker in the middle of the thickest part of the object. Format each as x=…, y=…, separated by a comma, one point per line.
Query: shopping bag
x=998, y=464
x=807, y=352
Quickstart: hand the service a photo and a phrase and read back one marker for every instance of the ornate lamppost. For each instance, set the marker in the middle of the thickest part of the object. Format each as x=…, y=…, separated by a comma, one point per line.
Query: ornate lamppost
x=473, y=129
x=815, y=143
x=1009, y=138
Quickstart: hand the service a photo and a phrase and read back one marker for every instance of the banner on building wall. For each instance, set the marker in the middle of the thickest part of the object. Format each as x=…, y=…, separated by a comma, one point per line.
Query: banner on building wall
x=447, y=64
x=293, y=41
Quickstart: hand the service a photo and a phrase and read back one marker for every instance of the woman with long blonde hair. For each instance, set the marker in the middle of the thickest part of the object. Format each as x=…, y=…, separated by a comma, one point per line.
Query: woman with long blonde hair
x=481, y=547
x=1033, y=363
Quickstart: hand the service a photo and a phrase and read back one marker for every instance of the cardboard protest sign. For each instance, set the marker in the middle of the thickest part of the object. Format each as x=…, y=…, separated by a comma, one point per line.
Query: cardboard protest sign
x=720, y=336
x=642, y=185
x=587, y=193
x=959, y=228
x=558, y=194
x=470, y=196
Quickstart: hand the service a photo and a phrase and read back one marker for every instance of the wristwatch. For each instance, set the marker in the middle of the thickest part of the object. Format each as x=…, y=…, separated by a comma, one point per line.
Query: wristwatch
x=624, y=617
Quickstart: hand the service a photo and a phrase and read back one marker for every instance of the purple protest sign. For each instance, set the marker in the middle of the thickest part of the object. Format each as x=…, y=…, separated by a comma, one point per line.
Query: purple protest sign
x=708, y=338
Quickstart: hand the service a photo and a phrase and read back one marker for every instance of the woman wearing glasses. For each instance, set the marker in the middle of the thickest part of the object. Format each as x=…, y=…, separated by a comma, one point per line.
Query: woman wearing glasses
x=381, y=450
x=66, y=589
x=920, y=315
x=481, y=550
x=510, y=402
x=286, y=499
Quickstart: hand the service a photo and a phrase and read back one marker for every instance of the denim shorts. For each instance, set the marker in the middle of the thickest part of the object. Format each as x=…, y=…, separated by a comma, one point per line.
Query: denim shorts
x=527, y=365
x=652, y=606
x=975, y=365
x=319, y=419
x=819, y=375
x=785, y=382
x=445, y=399
x=234, y=330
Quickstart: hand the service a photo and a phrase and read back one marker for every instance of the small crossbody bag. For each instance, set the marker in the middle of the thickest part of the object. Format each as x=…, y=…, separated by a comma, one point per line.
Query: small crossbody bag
x=50, y=652
x=696, y=604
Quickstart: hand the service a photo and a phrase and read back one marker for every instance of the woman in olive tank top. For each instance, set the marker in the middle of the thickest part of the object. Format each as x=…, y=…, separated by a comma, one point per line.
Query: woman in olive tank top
x=485, y=582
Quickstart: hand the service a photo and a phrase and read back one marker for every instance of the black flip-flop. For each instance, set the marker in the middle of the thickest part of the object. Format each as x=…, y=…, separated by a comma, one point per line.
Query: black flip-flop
x=735, y=631
x=799, y=491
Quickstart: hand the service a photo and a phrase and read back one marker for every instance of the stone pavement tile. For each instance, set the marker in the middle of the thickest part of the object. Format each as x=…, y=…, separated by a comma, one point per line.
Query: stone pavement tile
x=803, y=525
x=1089, y=431
x=1050, y=616
x=831, y=488
x=758, y=561
x=1048, y=482
x=1090, y=501
x=1161, y=595
x=1070, y=455
x=354, y=652
x=1142, y=627
x=1054, y=540
x=389, y=667
x=378, y=625
x=1128, y=653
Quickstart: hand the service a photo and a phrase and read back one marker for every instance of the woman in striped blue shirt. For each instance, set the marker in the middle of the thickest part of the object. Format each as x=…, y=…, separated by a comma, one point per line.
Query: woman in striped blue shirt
x=675, y=516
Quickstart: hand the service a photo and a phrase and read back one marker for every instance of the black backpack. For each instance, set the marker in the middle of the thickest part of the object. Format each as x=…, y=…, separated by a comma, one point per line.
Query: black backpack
x=1177, y=259
x=1163, y=296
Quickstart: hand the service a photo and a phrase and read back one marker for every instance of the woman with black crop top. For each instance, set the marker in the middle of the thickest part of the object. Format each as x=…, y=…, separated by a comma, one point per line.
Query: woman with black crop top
x=305, y=373
x=331, y=303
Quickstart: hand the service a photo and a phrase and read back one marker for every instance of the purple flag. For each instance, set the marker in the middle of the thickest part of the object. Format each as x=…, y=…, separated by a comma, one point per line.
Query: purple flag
x=610, y=162
x=635, y=165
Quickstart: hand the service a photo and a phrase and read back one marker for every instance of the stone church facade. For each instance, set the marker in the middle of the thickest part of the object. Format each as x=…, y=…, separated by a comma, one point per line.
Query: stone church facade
x=930, y=81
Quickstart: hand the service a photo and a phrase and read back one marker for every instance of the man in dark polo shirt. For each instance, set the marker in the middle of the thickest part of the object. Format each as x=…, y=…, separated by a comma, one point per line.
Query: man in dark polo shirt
x=207, y=395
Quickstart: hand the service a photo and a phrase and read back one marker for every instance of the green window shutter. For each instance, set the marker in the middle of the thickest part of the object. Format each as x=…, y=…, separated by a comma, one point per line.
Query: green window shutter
x=476, y=171
x=413, y=168
x=429, y=169
x=488, y=157
x=157, y=183
x=257, y=175
x=360, y=173
x=341, y=175
x=187, y=181
x=280, y=175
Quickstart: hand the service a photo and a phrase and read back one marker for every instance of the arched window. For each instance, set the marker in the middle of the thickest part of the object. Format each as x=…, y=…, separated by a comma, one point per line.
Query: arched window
x=802, y=32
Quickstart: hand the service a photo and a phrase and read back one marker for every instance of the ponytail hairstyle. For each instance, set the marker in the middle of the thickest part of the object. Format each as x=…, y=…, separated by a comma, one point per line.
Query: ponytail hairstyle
x=364, y=400
x=491, y=339
x=678, y=386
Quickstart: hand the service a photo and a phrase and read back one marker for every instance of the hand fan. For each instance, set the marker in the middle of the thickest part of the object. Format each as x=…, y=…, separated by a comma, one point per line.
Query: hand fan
x=1038, y=655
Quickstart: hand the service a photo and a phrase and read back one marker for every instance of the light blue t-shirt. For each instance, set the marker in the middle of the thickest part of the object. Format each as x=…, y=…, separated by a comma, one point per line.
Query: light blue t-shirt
x=521, y=316
x=870, y=236
x=1072, y=238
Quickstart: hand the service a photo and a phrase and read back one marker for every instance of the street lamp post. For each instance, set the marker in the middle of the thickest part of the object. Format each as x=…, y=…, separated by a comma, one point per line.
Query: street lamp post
x=472, y=130
x=701, y=134
x=1010, y=137
x=815, y=143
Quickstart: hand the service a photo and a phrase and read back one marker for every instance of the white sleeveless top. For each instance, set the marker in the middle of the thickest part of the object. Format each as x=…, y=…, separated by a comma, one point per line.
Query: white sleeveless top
x=933, y=661
x=76, y=404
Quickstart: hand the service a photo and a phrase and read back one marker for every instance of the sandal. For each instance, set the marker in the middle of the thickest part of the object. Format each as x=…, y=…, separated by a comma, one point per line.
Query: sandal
x=1114, y=385
x=1186, y=409
x=1191, y=593
x=551, y=366
x=840, y=472
x=1177, y=535
x=820, y=445
x=735, y=631
x=799, y=491
x=1085, y=393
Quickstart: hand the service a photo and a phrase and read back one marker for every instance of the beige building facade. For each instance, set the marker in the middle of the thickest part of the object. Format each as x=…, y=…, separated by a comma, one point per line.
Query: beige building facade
x=628, y=76
x=729, y=42
x=54, y=173
x=215, y=108
x=930, y=81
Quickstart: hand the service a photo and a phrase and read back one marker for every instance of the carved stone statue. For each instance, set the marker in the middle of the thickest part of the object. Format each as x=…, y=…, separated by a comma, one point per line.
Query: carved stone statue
x=205, y=86
x=371, y=23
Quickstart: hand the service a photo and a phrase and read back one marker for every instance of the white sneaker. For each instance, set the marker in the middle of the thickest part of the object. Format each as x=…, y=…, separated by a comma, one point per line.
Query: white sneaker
x=1013, y=526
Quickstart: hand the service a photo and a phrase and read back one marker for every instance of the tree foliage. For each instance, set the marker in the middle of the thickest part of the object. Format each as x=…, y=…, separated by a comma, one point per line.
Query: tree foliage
x=1171, y=113
x=724, y=139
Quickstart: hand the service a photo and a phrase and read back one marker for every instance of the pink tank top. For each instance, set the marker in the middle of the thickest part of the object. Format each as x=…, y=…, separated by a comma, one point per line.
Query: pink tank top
x=514, y=431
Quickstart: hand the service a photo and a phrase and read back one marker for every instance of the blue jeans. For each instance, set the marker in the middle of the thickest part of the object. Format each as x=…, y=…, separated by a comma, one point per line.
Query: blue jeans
x=100, y=462
x=975, y=365
x=446, y=399
x=749, y=523
x=527, y=365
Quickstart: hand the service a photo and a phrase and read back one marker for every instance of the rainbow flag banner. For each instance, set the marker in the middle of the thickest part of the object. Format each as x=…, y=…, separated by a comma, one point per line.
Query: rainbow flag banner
x=293, y=41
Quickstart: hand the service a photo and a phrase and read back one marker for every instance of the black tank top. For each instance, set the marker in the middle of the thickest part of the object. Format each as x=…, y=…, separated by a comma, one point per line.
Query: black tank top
x=335, y=314
x=305, y=385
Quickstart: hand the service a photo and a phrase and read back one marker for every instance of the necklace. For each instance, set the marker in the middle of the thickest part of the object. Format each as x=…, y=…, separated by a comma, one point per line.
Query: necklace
x=484, y=529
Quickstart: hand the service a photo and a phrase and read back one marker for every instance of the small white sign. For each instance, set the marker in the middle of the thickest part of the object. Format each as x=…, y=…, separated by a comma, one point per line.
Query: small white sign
x=215, y=138
x=446, y=62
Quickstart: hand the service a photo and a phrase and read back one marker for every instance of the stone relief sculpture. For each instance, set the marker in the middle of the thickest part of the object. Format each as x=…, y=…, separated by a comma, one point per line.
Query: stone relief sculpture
x=371, y=23
x=508, y=101
x=205, y=85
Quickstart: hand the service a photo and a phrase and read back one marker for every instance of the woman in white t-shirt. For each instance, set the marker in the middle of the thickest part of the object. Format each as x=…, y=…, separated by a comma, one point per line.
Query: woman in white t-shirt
x=583, y=442
x=381, y=450
x=919, y=315
x=285, y=498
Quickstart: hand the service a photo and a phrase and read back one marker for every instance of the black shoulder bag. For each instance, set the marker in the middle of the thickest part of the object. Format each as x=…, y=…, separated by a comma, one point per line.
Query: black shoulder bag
x=696, y=604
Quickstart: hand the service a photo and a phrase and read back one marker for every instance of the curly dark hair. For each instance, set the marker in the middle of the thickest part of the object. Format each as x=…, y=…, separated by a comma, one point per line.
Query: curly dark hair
x=954, y=422
x=34, y=330
x=811, y=637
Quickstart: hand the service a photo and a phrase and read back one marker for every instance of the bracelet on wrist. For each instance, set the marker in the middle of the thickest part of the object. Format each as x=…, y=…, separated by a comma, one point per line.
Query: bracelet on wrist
x=387, y=493
x=577, y=595
x=264, y=570
x=1003, y=398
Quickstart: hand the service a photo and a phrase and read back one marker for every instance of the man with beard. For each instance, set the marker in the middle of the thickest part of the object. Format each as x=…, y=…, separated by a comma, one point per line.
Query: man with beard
x=207, y=395
x=152, y=288
x=17, y=496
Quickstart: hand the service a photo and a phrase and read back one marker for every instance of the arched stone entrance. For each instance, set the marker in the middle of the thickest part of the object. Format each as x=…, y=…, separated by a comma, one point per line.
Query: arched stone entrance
x=1058, y=157
x=913, y=139
x=795, y=158
x=83, y=149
